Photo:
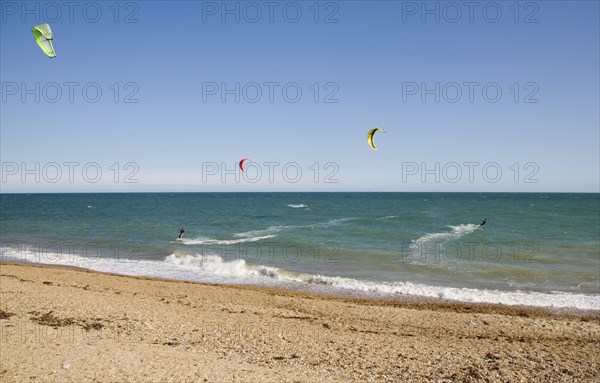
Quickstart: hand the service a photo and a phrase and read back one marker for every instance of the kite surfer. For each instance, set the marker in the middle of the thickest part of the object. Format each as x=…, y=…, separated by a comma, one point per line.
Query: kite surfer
x=482, y=223
x=181, y=232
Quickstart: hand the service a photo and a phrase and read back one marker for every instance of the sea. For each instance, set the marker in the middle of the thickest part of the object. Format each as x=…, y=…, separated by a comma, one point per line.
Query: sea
x=535, y=249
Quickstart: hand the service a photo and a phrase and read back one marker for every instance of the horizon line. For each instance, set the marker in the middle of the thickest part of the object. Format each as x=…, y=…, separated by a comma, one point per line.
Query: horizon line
x=330, y=192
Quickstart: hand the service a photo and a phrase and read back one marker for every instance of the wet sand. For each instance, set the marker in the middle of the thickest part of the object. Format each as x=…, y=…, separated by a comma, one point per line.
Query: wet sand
x=71, y=325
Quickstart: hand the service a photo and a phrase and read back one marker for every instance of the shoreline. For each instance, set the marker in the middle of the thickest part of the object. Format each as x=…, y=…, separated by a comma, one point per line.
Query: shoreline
x=404, y=301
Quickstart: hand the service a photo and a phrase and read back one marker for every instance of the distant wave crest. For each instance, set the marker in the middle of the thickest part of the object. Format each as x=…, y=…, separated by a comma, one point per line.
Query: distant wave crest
x=297, y=206
x=456, y=232
x=211, y=241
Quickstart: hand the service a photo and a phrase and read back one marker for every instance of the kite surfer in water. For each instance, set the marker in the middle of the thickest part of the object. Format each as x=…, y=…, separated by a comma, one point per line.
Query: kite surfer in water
x=482, y=223
x=181, y=232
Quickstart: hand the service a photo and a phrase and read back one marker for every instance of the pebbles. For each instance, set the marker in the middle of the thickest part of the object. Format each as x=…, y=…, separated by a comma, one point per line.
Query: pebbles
x=122, y=329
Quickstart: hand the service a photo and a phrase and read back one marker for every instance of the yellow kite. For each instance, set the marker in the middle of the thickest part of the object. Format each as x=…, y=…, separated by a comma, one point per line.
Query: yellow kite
x=370, y=137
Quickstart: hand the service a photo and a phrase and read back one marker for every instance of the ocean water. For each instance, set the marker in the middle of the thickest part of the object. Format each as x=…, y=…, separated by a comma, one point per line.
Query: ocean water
x=535, y=249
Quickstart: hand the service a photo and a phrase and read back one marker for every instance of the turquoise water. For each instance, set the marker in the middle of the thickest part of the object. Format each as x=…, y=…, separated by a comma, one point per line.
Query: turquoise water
x=536, y=249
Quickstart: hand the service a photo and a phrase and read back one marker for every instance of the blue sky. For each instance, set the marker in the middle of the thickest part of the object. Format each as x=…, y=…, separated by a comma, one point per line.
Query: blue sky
x=167, y=115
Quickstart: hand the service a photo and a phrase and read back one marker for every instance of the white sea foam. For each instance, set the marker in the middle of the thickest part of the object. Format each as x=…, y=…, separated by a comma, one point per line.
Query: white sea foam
x=456, y=233
x=260, y=234
x=297, y=206
x=211, y=241
x=213, y=269
x=215, y=265
x=336, y=222
x=272, y=230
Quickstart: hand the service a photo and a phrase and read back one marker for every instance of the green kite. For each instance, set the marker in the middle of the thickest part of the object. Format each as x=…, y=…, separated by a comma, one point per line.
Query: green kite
x=43, y=37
